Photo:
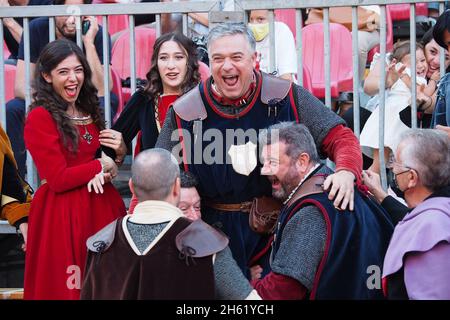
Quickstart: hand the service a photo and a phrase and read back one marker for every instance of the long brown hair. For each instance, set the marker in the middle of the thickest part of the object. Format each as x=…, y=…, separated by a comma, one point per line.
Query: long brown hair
x=44, y=95
x=192, y=78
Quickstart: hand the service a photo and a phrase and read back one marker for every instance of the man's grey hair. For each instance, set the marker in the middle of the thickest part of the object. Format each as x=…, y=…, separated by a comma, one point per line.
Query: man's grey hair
x=428, y=152
x=153, y=174
x=231, y=29
x=296, y=136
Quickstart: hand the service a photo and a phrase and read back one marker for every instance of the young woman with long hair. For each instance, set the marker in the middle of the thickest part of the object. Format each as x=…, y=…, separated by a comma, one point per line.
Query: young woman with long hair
x=174, y=71
x=61, y=133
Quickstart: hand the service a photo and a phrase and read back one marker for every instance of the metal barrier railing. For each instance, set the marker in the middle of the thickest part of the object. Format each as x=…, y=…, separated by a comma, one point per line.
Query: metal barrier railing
x=185, y=8
x=249, y=5
x=78, y=11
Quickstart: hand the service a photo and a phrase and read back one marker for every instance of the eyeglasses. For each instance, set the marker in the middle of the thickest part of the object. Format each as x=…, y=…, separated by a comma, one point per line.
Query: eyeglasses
x=396, y=164
x=397, y=174
x=394, y=175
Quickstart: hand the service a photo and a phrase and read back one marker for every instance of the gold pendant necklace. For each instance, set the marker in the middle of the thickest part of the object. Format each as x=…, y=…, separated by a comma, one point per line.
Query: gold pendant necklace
x=83, y=121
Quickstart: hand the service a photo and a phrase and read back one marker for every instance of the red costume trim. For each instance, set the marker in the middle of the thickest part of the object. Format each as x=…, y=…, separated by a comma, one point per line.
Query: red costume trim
x=243, y=112
x=183, y=147
x=261, y=253
x=327, y=243
x=293, y=105
x=384, y=286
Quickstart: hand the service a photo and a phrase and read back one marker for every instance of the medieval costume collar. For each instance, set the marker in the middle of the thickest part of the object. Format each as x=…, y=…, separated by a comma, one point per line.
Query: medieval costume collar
x=152, y=212
x=311, y=172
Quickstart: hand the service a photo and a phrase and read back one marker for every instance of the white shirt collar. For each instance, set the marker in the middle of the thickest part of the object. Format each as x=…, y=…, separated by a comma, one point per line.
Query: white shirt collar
x=153, y=212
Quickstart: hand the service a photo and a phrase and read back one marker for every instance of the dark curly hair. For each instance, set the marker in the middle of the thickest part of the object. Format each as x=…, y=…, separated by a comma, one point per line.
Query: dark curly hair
x=44, y=95
x=154, y=85
x=442, y=25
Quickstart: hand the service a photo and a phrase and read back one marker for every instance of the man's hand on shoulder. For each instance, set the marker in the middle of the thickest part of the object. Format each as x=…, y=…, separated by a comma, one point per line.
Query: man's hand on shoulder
x=341, y=189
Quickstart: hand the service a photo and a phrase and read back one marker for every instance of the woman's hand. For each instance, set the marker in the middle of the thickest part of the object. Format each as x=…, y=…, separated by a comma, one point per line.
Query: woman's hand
x=109, y=166
x=98, y=181
x=114, y=140
x=436, y=76
x=423, y=101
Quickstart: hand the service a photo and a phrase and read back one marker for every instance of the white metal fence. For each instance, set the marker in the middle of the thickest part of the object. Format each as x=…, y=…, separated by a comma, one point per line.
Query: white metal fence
x=248, y=5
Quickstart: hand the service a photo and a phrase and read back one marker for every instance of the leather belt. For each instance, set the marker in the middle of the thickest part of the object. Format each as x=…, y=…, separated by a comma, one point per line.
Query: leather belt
x=229, y=207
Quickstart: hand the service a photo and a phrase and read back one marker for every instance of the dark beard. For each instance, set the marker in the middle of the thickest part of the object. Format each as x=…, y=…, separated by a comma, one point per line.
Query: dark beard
x=288, y=184
x=68, y=36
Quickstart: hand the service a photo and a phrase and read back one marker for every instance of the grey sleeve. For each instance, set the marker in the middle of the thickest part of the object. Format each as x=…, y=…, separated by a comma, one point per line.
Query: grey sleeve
x=230, y=282
x=302, y=246
x=165, y=136
x=315, y=115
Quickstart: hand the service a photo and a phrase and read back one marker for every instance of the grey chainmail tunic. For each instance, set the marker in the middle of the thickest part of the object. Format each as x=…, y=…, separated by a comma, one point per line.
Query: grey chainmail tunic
x=144, y=234
x=302, y=244
x=230, y=283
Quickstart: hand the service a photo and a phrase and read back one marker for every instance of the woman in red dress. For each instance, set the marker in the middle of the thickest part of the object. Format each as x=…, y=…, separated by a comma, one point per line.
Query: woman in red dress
x=174, y=70
x=61, y=133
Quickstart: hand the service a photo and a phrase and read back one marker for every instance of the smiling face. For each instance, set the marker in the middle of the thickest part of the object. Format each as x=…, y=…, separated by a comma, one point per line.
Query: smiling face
x=421, y=63
x=66, y=25
x=190, y=203
x=67, y=78
x=432, y=55
x=172, y=66
x=232, y=62
x=280, y=170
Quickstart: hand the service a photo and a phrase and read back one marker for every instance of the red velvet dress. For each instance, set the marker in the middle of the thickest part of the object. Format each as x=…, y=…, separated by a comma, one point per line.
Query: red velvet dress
x=63, y=213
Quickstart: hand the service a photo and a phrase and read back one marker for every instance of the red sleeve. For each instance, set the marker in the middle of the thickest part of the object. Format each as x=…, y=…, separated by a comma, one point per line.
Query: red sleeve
x=43, y=141
x=276, y=286
x=342, y=147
